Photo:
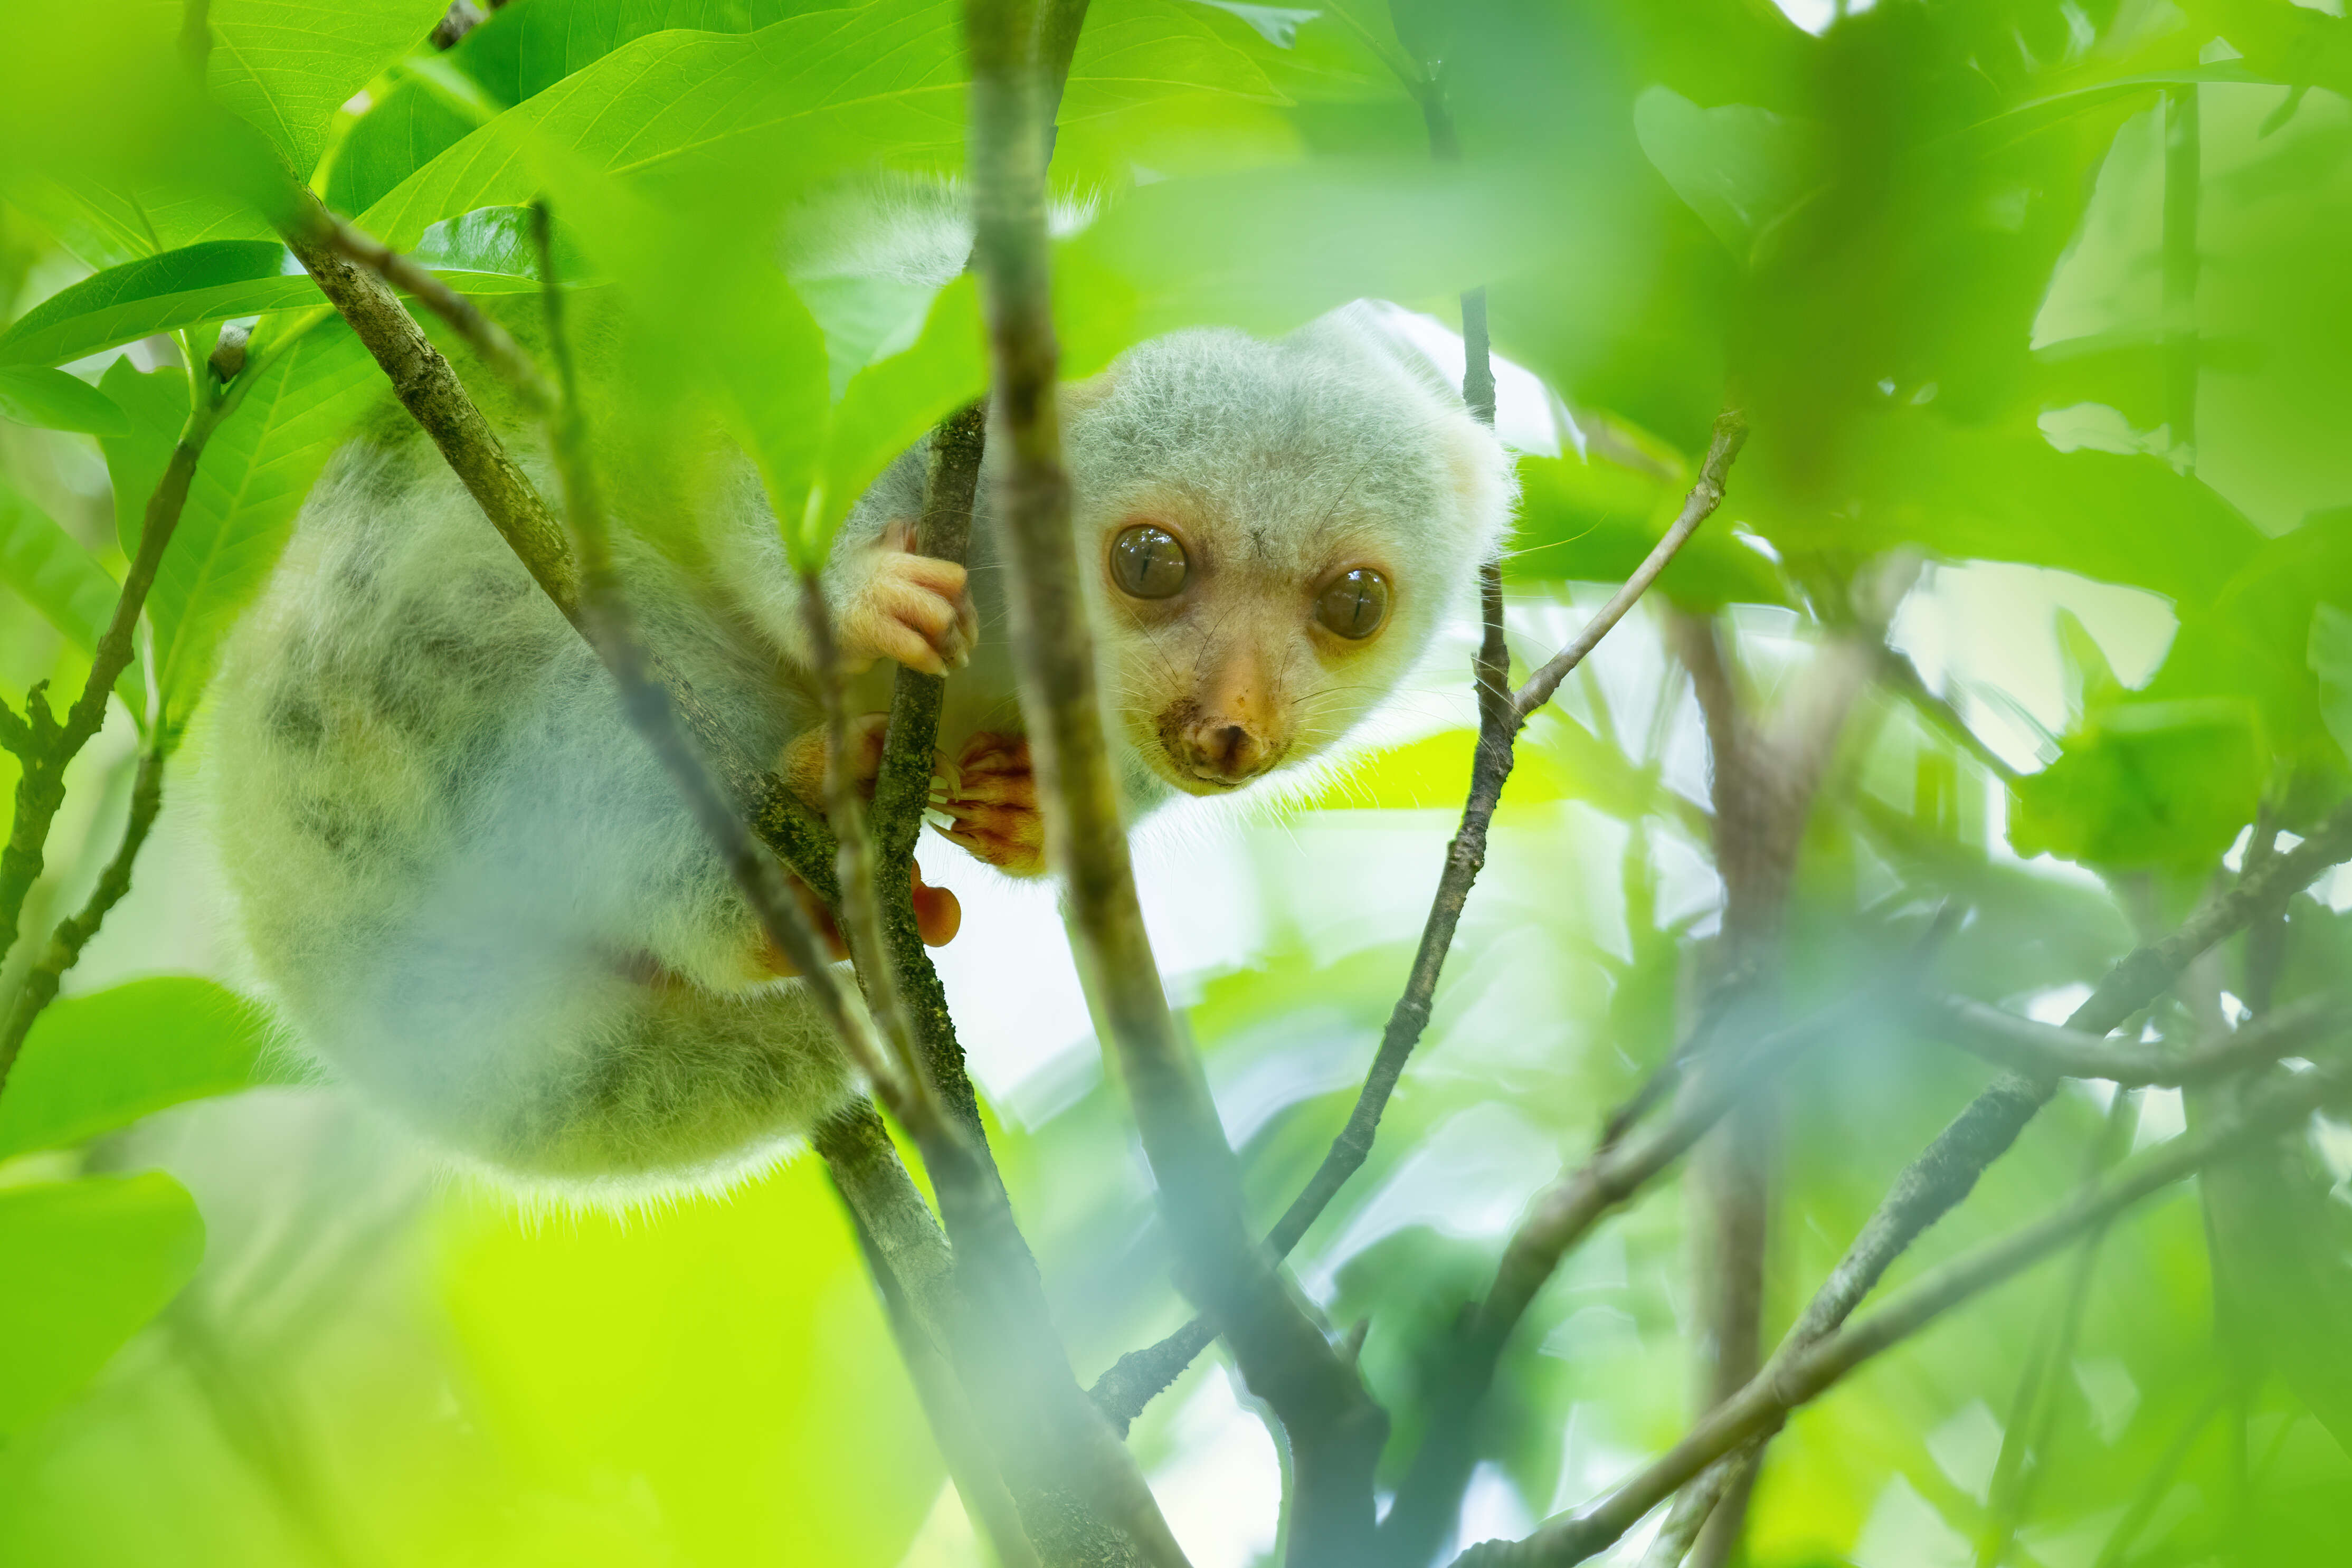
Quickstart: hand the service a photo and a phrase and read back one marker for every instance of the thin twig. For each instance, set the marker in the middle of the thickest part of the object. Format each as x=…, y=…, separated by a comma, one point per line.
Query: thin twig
x=2054, y=1051
x=39, y=985
x=1784, y=1384
x=42, y=746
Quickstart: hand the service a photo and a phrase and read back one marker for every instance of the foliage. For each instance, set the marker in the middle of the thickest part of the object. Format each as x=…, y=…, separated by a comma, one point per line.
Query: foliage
x=2043, y=294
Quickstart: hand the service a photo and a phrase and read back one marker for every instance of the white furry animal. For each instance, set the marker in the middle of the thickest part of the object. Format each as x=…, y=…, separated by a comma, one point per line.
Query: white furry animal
x=474, y=896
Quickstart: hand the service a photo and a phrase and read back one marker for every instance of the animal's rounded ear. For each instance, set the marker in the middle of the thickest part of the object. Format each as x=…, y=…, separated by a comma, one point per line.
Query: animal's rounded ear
x=1076, y=398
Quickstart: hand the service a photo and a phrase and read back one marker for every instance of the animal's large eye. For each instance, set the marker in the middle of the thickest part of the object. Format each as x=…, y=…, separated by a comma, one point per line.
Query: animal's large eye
x=1354, y=603
x=1149, y=562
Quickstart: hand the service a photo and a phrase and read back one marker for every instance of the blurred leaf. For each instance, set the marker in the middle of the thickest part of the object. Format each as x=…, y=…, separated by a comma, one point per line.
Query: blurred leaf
x=96, y=1062
x=407, y=128
x=888, y=405
x=2331, y=660
x=490, y=251
x=285, y=65
x=780, y=108
x=1590, y=520
x=257, y=468
x=56, y=575
x=156, y=405
x=2282, y=1274
x=711, y=1350
x=1277, y=24
x=2090, y=684
x=864, y=319
x=1741, y=169
x=1270, y=249
x=1133, y=51
x=525, y=49
x=157, y=293
x=59, y=578
x=52, y=400
x=88, y=1263
x=2145, y=784
x=1910, y=475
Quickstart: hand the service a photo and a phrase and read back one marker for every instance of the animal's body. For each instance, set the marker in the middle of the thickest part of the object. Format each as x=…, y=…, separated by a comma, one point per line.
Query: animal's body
x=473, y=893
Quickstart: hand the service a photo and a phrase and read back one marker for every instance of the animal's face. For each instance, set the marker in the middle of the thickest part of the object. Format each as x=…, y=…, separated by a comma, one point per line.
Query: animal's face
x=1276, y=530
x=1236, y=650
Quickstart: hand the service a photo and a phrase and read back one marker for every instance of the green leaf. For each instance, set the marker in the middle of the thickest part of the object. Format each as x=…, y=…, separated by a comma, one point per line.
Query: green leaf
x=750, y=116
x=88, y=1264
x=408, y=128
x=2145, y=784
x=156, y=405
x=491, y=252
x=1270, y=249
x=526, y=49
x=255, y=472
x=1994, y=493
x=198, y=283
x=1741, y=169
x=287, y=65
x=1134, y=51
x=1595, y=521
x=2331, y=660
x=52, y=400
x=62, y=580
x=100, y=1062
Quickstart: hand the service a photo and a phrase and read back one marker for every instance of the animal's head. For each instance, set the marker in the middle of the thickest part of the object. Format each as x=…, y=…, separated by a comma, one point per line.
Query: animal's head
x=1273, y=531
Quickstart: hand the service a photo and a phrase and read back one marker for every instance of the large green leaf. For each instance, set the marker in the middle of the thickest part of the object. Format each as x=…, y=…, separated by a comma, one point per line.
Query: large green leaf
x=251, y=480
x=775, y=108
x=1741, y=169
x=59, y=578
x=52, y=400
x=1271, y=248
x=1133, y=51
x=526, y=49
x=156, y=405
x=97, y=1063
x=88, y=1264
x=1911, y=475
x=156, y=294
x=2145, y=784
x=408, y=128
x=285, y=65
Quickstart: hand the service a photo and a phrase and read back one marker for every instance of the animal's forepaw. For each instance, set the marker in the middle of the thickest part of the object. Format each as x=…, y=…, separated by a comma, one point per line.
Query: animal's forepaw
x=987, y=801
x=912, y=607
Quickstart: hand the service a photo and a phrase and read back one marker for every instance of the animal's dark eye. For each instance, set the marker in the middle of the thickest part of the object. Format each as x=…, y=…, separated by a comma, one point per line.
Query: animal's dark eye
x=1354, y=603
x=1149, y=562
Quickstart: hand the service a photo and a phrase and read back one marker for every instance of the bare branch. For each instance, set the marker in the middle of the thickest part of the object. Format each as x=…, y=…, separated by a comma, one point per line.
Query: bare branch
x=2052, y=1050
x=1335, y=1431
x=1786, y=1383
x=39, y=985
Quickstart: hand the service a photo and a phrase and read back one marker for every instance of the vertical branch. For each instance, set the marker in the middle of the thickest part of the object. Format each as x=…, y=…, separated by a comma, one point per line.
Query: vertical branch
x=1334, y=1429
x=902, y=785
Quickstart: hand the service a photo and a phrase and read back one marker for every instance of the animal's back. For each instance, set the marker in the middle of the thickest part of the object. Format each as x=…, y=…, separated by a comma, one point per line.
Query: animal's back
x=467, y=884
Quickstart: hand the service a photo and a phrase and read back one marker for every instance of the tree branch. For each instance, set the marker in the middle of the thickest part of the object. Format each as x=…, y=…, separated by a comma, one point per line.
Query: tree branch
x=1787, y=1383
x=39, y=985
x=2052, y=1050
x=1334, y=1429
x=1948, y=1170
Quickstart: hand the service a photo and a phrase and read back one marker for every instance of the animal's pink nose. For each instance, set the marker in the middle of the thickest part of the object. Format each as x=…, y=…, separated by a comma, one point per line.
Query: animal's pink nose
x=1223, y=749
